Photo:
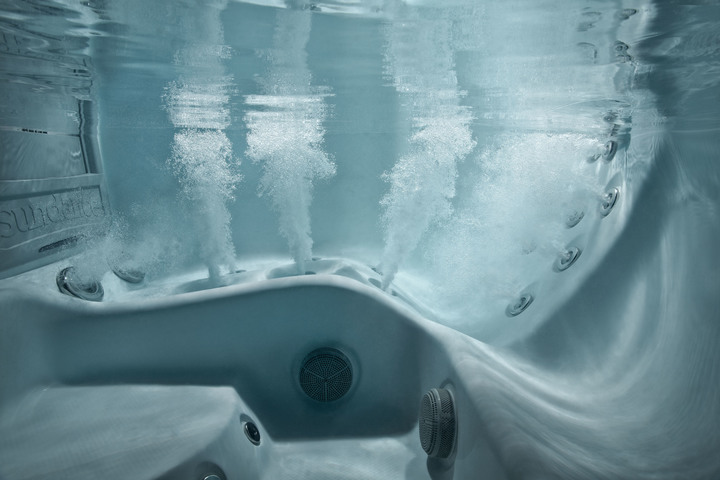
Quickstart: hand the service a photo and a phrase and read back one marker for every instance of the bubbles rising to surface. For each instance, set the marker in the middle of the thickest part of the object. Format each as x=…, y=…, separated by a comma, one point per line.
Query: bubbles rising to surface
x=422, y=182
x=286, y=134
x=202, y=160
x=509, y=225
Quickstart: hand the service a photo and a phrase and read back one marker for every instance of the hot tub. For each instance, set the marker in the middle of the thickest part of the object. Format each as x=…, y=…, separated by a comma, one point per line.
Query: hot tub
x=359, y=240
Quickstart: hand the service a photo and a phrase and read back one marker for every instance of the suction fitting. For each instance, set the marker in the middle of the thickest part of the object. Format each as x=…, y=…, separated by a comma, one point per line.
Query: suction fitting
x=326, y=375
x=567, y=258
x=519, y=305
x=437, y=423
x=608, y=201
x=68, y=282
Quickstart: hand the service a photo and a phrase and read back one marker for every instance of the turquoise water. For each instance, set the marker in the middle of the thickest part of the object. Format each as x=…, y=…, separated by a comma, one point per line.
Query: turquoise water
x=460, y=149
x=446, y=146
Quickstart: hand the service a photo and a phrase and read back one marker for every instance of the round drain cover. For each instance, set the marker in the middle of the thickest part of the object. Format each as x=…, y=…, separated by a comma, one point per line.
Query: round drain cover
x=326, y=375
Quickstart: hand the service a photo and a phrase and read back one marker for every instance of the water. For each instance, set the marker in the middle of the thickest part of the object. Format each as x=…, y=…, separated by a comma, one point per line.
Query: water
x=422, y=182
x=446, y=147
x=286, y=132
x=449, y=148
x=202, y=156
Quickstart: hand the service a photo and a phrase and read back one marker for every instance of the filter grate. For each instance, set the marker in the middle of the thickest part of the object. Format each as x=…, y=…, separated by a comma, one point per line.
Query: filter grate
x=326, y=375
x=437, y=423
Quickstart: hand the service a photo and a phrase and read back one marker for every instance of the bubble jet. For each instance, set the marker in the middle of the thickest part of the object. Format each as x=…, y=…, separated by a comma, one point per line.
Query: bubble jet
x=201, y=156
x=286, y=133
x=422, y=182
